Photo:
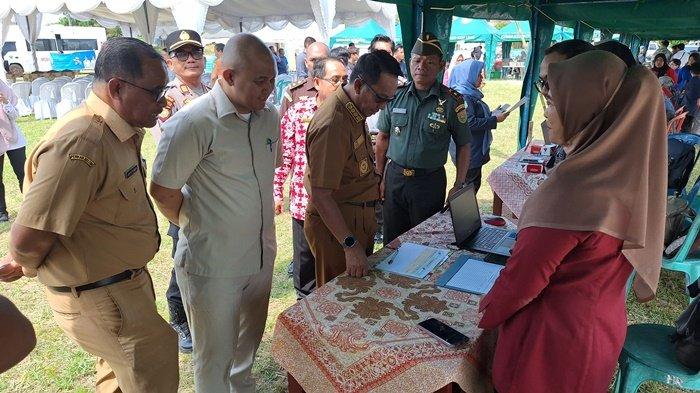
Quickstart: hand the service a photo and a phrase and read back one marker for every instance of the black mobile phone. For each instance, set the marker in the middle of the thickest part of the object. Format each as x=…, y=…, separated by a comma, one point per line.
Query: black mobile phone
x=443, y=332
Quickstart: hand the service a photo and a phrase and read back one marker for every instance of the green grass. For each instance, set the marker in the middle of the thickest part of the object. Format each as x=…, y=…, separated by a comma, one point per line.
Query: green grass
x=58, y=365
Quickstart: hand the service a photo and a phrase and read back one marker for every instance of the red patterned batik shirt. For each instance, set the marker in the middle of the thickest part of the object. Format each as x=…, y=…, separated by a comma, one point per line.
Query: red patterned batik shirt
x=293, y=128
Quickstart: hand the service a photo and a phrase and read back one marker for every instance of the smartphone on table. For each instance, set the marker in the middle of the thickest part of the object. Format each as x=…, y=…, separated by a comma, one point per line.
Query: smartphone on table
x=444, y=333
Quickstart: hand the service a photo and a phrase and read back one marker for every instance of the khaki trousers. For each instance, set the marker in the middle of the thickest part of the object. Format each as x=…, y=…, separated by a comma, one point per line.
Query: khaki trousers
x=227, y=321
x=119, y=323
x=329, y=253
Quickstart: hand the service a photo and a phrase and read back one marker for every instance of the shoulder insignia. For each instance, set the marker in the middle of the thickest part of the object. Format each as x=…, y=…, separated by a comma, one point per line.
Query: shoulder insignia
x=79, y=157
x=455, y=94
x=184, y=89
x=164, y=114
x=354, y=112
x=186, y=101
x=297, y=84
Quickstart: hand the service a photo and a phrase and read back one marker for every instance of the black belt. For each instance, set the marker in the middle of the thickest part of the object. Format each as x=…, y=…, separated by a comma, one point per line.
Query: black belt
x=125, y=275
x=362, y=204
x=410, y=172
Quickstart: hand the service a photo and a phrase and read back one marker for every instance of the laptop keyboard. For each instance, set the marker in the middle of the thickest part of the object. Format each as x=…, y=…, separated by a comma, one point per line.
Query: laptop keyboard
x=487, y=238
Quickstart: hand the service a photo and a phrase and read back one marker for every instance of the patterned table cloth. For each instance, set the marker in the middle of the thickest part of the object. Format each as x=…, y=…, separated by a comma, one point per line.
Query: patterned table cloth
x=512, y=185
x=362, y=335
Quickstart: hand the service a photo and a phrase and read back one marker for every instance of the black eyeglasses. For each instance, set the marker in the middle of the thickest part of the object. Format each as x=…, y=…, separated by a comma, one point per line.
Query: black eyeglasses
x=541, y=84
x=157, y=94
x=183, y=55
x=336, y=80
x=377, y=97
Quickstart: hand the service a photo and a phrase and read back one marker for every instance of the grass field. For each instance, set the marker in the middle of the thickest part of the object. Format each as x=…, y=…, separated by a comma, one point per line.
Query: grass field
x=57, y=364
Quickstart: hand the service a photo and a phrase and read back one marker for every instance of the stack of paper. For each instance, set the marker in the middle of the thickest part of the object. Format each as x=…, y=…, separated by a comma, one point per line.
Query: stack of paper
x=413, y=260
x=470, y=275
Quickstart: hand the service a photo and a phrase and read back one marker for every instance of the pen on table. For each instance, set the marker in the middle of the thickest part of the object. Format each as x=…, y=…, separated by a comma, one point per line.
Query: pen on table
x=444, y=209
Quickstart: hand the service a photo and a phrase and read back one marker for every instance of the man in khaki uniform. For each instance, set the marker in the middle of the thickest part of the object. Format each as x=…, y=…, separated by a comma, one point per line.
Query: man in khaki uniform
x=305, y=87
x=340, y=222
x=87, y=227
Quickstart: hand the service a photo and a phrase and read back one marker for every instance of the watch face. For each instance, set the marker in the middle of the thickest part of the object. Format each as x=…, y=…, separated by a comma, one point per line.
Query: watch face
x=349, y=241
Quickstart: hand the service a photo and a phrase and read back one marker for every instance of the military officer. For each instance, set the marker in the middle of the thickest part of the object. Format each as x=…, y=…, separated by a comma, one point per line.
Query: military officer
x=340, y=222
x=305, y=87
x=186, y=60
x=414, y=135
x=90, y=242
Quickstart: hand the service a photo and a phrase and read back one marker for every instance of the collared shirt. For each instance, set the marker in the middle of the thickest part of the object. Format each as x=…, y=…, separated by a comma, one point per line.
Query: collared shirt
x=302, y=72
x=339, y=152
x=85, y=181
x=293, y=127
x=178, y=95
x=420, y=129
x=297, y=91
x=225, y=168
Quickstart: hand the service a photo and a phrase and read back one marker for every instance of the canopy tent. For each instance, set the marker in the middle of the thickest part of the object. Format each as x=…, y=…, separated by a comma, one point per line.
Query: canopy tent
x=520, y=30
x=635, y=20
x=151, y=18
x=361, y=35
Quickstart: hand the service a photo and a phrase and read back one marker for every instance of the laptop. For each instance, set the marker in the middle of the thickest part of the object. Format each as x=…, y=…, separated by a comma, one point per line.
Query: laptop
x=469, y=234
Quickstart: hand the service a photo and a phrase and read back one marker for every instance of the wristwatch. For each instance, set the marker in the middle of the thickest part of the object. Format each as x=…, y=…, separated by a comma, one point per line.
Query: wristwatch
x=349, y=241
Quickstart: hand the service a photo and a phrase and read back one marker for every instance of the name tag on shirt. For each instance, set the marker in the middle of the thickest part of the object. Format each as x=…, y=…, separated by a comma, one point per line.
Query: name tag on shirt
x=399, y=110
x=130, y=172
x=358, y=142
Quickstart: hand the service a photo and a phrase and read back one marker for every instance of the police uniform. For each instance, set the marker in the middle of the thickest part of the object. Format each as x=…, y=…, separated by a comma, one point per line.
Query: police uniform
x=177, y=95
x=340, y=157
x=420, y=126
x=297, y=90
x=97, y=284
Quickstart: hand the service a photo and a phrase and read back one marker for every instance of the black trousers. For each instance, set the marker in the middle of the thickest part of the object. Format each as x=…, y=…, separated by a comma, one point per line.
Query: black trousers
x=17, y=158
x=175, y=306
x=410, y=200
x=474, y=177
x=304, y=263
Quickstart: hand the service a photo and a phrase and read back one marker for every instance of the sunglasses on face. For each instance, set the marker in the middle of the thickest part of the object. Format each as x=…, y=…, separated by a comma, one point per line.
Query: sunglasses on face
x=156, y=94
x=377, y=97
x=183, y=55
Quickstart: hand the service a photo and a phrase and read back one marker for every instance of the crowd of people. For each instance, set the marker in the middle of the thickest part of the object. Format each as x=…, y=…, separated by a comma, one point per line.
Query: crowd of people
x=224, y=155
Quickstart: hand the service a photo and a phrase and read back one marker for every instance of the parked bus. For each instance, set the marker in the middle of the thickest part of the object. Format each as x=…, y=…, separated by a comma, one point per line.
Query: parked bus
x=17, y=54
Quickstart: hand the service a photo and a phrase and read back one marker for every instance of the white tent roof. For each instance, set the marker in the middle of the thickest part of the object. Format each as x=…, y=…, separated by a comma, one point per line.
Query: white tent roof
x=212, y=15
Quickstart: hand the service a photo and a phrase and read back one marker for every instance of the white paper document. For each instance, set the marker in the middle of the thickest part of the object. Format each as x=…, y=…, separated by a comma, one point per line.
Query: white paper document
x=470, y=275
x=413, y=260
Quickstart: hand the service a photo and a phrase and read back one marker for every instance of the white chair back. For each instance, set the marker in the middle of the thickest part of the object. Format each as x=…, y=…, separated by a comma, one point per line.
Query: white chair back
x=48, y=91
x=88, y=89
x=36, y=84
x=22, y=90
x=72, y=92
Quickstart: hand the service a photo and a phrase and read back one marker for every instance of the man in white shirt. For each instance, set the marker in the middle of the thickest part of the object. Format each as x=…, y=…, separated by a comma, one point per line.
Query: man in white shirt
x=681, y=55
x=213, y=176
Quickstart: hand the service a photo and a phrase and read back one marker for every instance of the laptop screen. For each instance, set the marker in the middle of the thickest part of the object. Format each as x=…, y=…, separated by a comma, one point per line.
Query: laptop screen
x=465, y=213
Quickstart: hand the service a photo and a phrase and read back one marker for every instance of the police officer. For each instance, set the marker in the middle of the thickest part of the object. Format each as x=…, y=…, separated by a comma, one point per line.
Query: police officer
x=90, y=242
x=414, y=134
x=340, y=175
x=186, y=60
x=305, y=87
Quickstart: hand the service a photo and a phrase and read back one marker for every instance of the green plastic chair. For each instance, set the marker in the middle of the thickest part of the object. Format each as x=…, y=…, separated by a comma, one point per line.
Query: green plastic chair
x=648, y=355
x=681, y=262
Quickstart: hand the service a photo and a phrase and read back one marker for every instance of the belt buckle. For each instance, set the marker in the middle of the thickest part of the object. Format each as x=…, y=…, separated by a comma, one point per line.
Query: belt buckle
x=408, y=172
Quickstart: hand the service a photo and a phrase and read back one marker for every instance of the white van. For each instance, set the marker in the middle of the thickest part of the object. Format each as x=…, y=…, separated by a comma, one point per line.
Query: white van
x=17, y=54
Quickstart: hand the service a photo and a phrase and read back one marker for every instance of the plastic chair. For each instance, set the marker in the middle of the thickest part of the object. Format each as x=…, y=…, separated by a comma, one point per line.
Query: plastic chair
x=675, y=124
x=23, y=90
x=648, y=355
x=283, y=81
x=36, y=85
x=45, y=108
x=71, y=96
x=60, y=82
x=88, y=89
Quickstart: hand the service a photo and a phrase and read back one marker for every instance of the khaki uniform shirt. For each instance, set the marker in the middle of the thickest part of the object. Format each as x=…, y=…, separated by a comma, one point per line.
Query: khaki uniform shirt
x=339, y=152
x=85, y=181
x=177, y=96
x=302, y=88
x=225, y=166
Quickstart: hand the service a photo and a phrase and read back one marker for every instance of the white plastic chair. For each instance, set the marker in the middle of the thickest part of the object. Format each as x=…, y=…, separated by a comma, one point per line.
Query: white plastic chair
x=45, y=108
x=36, y=85
x=23, y=90
x=88, y=89
x=60, y=82
x=71, y=95
x=83, y=85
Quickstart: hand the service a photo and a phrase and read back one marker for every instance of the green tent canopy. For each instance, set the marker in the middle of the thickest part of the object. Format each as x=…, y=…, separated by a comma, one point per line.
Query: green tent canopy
x=516, y=31
x=361, y=35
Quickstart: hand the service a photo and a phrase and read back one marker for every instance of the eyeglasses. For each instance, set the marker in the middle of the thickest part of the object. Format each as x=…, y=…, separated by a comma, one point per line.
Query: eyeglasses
x=541, y=84
x=183, y=55
x=377, y=97
x=157, y=94
x=336, y=80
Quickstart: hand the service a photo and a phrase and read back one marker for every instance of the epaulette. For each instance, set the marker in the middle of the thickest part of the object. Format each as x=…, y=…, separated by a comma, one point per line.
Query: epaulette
x=98, y=125
x=455, y=94
x=297, y=84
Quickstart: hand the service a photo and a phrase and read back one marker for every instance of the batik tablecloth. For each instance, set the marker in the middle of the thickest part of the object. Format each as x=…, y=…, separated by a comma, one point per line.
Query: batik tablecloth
x=362, y=335
x=512, y=185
